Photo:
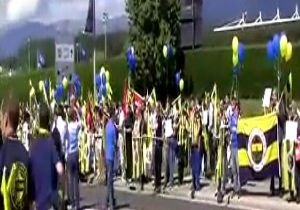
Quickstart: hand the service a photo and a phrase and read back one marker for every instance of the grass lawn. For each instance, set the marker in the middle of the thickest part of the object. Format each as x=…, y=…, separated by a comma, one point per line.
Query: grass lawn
x=203, y=67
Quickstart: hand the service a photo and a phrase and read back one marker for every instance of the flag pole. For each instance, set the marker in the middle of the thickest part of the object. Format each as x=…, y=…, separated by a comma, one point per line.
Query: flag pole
x=94, y=40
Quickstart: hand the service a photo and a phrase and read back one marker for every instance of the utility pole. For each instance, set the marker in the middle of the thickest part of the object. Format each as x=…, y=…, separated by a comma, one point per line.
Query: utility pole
x=77, y=52
x=104, y=20
x=28, y=41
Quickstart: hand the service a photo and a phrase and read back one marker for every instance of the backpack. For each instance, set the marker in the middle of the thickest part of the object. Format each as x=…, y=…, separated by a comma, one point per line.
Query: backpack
x=57, y=139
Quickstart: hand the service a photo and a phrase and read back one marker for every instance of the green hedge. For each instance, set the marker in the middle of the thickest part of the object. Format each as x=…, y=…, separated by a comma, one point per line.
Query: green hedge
x=203, y=67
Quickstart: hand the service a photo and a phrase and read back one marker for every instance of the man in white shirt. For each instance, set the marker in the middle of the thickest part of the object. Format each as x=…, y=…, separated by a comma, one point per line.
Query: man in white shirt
x=121, y=116
x=171, y=148
x=61, y=125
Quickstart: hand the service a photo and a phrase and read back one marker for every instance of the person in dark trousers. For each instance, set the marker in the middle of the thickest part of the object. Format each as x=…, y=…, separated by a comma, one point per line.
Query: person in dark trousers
x=110, y=151
x=14, y=158
x=158, y=149
x=233, y=123
x=46, y=165
x=72, y=151
x=129, y=121
x=196, y=152
x=170, y=148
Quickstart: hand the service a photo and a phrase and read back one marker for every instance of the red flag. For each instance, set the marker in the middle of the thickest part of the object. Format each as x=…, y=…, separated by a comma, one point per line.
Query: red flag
x=138, y=100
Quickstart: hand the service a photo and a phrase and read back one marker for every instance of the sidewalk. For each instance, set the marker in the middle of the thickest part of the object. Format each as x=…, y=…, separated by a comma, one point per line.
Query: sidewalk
x=255, y=196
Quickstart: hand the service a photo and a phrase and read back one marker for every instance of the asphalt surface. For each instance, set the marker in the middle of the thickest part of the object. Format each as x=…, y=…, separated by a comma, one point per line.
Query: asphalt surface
x=93, y=197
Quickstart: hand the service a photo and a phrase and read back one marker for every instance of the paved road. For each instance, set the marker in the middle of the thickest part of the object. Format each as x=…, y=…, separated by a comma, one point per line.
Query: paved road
x=94, y=198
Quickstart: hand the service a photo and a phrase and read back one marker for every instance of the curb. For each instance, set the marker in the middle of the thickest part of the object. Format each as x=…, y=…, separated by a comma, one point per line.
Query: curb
x=244, y=203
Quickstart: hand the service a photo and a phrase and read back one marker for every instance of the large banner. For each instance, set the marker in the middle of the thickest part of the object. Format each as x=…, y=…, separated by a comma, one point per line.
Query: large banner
x=258, y=147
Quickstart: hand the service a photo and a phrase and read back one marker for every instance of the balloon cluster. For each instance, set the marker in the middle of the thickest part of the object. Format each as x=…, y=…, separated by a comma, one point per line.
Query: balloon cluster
x=238, y=52
x=279, y=47
x=179, y=81
x=131, y=59
x=59, y=92
x=167, y=51
x=103, y=86
x=77, y=85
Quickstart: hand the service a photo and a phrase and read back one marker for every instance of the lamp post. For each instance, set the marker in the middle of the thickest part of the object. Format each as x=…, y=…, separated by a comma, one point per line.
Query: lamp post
x=77, y=52
x=28, y=41
x=104, y=20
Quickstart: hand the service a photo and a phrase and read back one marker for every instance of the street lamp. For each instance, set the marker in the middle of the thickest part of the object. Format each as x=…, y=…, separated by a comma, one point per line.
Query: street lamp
x=104, y=20
x=77, y=51
x=28, y=41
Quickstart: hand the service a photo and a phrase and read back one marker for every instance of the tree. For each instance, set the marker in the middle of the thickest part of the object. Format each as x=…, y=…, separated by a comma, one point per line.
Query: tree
x=153, y=24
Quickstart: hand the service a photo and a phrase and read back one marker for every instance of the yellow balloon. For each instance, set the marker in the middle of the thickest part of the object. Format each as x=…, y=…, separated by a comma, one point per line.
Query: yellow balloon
x=283, y=45
x=83, y=111
x=65, y=82
x=107, y=75
x=289, y=52
x=235, y=44
x=108, y=88
x=235, y=59
x=102, y=71
x=52, y=92
x=32, y=92
x=181, y=85
x=41, y=85
x=165, y=51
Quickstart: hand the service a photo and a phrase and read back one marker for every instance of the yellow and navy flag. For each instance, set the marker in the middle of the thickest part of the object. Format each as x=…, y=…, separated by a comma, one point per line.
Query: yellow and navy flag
x=258, y=147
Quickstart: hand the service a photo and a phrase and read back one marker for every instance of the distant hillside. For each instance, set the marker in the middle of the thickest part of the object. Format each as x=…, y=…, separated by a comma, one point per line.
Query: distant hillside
x=12, y=38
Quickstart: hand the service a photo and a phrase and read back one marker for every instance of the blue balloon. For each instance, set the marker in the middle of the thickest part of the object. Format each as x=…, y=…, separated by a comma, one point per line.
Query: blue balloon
x=276, y=46
x=47, y=84
x=59, y=93
x=60, y=88
x=75, y=78
x=270, y=51
x=103, y=79
x=103, y=90
x=56, y=97
x=177, y=78
x=77, y=85
x=241, y=53
x=128, y=53
x=99, y=95
x=98, y=81
x=132, y=63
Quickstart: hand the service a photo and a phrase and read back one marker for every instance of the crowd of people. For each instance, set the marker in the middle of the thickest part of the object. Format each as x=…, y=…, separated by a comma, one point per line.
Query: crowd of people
x=47, y=151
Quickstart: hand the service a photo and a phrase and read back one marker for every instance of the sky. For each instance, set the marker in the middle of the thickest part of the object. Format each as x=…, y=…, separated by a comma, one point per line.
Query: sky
x=48, y=11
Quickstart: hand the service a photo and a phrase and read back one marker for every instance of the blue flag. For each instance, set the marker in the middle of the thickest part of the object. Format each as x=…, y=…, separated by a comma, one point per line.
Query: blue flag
x=90, y=20
x=40, y=59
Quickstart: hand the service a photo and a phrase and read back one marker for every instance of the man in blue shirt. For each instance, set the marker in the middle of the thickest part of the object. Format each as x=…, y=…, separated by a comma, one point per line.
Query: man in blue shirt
x=45, y=165
x=110, y=151
x=74, y=127
x=233, y=123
